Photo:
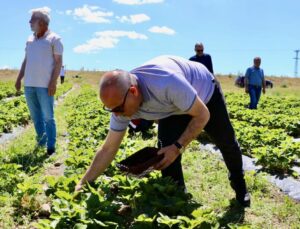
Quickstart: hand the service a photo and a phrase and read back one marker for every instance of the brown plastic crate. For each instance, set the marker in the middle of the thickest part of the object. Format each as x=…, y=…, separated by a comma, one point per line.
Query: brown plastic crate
x=141, y=162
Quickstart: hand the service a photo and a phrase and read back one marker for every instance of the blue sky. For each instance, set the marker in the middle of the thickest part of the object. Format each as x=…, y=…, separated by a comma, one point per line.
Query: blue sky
x=111, y=34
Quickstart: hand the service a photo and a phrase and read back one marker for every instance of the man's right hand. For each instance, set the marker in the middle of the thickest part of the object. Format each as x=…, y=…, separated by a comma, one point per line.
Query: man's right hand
x=103, y=158
x=18, y=85
x=79, y=186
x=246, y=90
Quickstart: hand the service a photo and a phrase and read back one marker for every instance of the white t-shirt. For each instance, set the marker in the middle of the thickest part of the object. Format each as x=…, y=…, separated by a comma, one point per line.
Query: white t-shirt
x=62, y=72
x=40, y=59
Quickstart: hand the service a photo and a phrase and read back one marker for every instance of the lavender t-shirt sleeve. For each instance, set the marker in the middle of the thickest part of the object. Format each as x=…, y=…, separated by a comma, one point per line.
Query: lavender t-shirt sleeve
x=118, y=123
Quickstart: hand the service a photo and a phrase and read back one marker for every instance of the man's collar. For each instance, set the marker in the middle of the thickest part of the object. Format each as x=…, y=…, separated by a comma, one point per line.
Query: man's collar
x=143, y=88
x=45, y=34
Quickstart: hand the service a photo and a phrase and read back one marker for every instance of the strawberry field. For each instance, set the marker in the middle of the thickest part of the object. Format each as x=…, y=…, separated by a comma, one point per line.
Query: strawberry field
x=13, y=108
x=33, y=197
x=8, y=90
x=268, y=133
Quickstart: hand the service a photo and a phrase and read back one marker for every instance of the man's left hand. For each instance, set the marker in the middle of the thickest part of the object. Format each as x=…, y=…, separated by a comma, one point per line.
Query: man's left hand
x=170, y=154
x=264, y=90
x=52, y=88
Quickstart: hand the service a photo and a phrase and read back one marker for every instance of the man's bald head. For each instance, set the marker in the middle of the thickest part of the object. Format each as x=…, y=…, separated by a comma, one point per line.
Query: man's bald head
x=114, y=85
x=117, y=79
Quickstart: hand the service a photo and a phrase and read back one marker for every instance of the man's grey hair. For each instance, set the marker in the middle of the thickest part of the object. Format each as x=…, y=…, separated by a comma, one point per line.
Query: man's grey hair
x=42, y=13
x=198, y=44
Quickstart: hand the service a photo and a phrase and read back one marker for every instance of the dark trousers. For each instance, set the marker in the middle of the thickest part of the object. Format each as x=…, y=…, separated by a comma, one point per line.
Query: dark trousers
x=218, y=128
x=62, y=79
x=254, y=92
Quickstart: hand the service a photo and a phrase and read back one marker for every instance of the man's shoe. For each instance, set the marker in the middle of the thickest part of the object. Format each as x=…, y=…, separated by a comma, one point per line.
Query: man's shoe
x=50, y=151
x=238, y=184
x=244, y=200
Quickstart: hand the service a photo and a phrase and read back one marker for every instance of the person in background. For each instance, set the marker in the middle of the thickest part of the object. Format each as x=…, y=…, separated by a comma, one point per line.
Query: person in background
x=40, y=69
x=255, y=82
x=62, y=74
x=202, y=57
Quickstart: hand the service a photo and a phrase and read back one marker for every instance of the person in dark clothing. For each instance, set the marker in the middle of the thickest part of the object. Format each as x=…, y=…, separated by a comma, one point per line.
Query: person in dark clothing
x=202, y=57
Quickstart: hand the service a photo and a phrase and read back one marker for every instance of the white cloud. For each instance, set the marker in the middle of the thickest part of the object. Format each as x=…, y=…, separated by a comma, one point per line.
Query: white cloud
x=137, y=2
x=134, y=19
x=69, y=12
x=66, y=29
x=162, y=29
x=5, y=67
x=90, y=14
x=107, y=39
x=121, y=33
x=60, y=12
x=45, y=9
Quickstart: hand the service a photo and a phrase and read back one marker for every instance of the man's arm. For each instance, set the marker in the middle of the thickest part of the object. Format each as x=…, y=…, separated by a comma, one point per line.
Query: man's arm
x=263, y=83
x=55, y=74
x=20, y=76
x=210, y=64
x=103, y=157
x=246, y=81
x=200, y=116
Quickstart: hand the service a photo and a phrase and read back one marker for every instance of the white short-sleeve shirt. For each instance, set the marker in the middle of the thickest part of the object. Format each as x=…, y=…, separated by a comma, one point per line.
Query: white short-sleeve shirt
x=40, y=59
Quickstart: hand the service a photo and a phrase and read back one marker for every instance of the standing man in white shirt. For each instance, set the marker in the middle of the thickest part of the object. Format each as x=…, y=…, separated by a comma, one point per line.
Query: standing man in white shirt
x=62, y=74
x=40, y=69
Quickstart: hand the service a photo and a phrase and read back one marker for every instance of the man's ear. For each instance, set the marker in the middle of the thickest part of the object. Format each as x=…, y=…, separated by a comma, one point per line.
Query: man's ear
x=134, y=90
x=40, y=23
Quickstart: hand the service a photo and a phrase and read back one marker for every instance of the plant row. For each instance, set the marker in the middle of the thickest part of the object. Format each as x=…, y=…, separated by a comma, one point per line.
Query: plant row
x=7, y=89
x=273, y=148
x=14, y=112
x=114, y=200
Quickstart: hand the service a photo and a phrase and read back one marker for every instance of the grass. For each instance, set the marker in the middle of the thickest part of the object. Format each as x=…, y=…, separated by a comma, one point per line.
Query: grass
x=283, y=86
x=205, y=174
x=206, y=178
x=22, y=149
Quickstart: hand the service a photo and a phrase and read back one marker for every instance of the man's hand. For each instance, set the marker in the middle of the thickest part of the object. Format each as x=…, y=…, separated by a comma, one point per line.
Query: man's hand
x=170, y=154
x=246, y=90
x=264, y=90
x=18, y=85
x=103, y=158
x=79, y=186
x=52, y=88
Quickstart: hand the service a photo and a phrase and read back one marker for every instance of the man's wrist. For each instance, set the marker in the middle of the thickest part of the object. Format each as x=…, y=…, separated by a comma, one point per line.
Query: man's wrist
x=83, y=181
x=179, y=146
x=53, y=81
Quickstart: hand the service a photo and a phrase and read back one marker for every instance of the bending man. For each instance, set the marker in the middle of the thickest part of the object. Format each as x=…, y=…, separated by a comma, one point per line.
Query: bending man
x=185, y=98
